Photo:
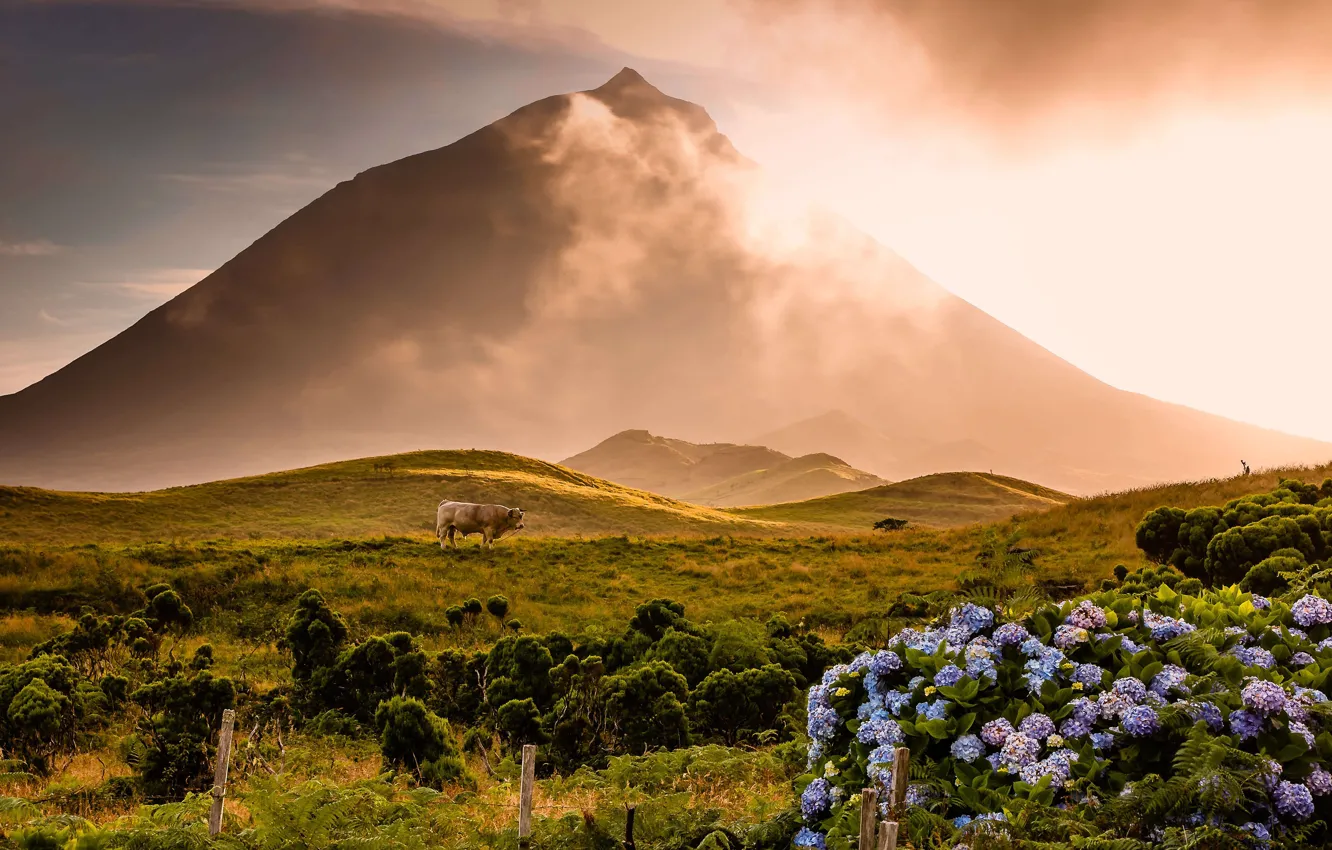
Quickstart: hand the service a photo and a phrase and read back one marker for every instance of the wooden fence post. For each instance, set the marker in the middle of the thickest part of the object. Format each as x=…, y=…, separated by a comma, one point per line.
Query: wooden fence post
x=888, y=829
x=525, y=796
x=629, y=828
x=220, y=776
x=869, y=817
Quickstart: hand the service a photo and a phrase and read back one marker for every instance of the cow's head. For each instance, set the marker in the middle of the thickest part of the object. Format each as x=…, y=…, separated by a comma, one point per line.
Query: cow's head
x=515, y=518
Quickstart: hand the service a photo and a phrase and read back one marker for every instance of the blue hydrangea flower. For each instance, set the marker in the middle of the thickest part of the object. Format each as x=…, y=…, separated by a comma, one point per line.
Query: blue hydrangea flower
x=1319, y=781
x=973, y=617
x=1205, y=711
x=1245, y=723
x=823, y=722
x=1088, y=675
x=1169, y=679
x=1311, y=610
x=1032, y=646
x=948, y=676
x=1102, y=740
x=995, y=760
x=1086, y=616
x=936, y=710
x=1165, y=628
x=896, y=701
x=1010, y=634
x=918, y=795
x=982, y=668
x=1298, y=728
x=1254, y=657
x=1140, y=721
x=1266, y=698
x=1293, y=801
x=1086, y=709
x=1260, y=602
x=961, y=821
x=1037, y=726
x=1325, y=644
x=881, y=765
x=916, y=682
x=1112, y=704
x=1019, y=750
x=1131, y=688
x=1074, y=727
x=996, y=732
x=833, y=673
x=1270, y=773
x=882, y=731
x=968, y=748
x=1258, y=831
x=807, y=837
x=884, y=662
x=1300, y=659
x=816, y=800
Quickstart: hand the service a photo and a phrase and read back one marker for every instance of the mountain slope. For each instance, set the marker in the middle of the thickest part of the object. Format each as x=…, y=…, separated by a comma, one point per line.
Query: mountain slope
x=943, y=499
x=588, y=263
x=354, y=499
x=808, y=477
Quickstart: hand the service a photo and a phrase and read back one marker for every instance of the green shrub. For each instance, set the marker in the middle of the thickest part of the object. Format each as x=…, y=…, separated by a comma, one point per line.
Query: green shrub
x=416, y=741
x=498, y=607
x=314, y=636
x=645, y=708
x=174, y=744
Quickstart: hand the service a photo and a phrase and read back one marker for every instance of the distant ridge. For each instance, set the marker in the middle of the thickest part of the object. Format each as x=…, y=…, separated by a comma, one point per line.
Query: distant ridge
x=717, y=474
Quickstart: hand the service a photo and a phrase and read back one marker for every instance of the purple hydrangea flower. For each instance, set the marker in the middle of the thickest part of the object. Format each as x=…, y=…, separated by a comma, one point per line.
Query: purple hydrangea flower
x=1319, y=781
x=1131, y=688
x=884, y=662
x=995, y=759
x=1311, y=610
x=936, y=710
x=1112, y=704
x=996, y=732
x=1020, y=750
x=807, y=837
x=1086, y=709
x=1086, y=616
x=1266, y=698
x=1102, y=740
x=948, y=676
x=1067, y=637
x=1245, y=723
x=816, y=800
x=1270, y=773
x=1011, y=634
x=982, y=668
x=1165, y=628
x=1140, y=721
x=918, y=795
x=1261, y=602
x=1300, y=659
x=968, y=748
x=1298, y=728
x=1037, y=726
x=1293, y=801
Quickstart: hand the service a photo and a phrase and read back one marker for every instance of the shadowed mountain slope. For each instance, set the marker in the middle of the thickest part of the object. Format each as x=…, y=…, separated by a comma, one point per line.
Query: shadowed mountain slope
x=589, y=263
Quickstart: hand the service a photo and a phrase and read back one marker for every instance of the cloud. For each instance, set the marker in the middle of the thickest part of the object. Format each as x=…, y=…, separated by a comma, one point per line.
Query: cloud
x=36, y=248
x=252, y=182
x=159, y=284
x=1014, y=64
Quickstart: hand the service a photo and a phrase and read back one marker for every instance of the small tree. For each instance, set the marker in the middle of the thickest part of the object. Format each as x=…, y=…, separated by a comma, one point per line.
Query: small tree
x=315, y=635
x=498, y=606
x=415, y=740
x=645, y=708
x=518, y=722
x=472, y=610
x=890, y=524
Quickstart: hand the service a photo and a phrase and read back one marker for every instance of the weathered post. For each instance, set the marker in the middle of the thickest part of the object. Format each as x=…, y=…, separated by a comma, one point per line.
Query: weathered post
x=869, y=817
x=888, y=829
x=525, y=796
x=629, y=828
x=220, y=776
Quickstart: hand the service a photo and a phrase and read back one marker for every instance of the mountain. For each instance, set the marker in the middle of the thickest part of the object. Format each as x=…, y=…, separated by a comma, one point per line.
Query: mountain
x=806, y=477
x=589, y=263
x=944, y=499
x=717, y=474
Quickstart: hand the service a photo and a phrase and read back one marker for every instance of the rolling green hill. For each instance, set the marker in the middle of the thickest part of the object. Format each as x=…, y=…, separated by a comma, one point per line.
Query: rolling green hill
x=352, y=499
x=941, y=500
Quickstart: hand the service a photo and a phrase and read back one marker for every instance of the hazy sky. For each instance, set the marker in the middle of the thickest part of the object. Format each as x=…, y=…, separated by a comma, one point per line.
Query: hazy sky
x=1141, y=187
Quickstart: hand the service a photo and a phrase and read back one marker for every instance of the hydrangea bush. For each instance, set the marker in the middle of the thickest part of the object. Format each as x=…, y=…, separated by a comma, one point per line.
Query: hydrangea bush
x=1177, y=712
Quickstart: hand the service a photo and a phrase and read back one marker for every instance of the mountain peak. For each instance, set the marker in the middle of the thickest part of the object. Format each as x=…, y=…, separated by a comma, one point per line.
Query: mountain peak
x=627, y=78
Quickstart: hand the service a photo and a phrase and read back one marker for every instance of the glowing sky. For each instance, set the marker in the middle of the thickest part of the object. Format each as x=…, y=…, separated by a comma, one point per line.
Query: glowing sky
x=1159, y=217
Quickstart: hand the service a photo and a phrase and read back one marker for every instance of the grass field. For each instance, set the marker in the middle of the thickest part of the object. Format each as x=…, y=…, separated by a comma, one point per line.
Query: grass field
x=354, y=499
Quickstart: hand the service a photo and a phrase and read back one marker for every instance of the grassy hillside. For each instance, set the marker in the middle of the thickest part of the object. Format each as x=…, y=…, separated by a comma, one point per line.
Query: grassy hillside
x=809, y=477
x=352, y=499
x=941, y=500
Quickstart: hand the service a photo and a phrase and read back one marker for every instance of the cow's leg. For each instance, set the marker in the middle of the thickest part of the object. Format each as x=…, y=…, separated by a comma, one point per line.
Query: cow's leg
x=439, y=534
x=488, y=539
x=452, y=530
